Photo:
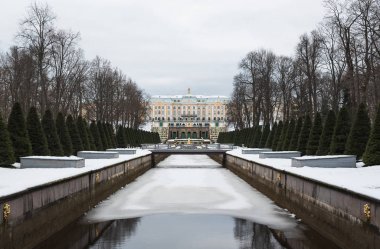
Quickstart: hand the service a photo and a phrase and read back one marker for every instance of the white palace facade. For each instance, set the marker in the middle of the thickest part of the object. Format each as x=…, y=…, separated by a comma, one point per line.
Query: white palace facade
x=188, y=116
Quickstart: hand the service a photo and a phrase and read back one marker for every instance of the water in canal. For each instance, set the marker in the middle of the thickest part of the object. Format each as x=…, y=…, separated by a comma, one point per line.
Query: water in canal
x=188, y=202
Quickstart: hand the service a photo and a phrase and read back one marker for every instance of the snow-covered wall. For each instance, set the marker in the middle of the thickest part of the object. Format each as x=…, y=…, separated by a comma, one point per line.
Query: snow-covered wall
x=331, y=210
x=40, y=204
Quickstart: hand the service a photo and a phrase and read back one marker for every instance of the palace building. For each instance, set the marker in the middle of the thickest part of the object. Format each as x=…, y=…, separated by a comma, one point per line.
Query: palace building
x=188, y=116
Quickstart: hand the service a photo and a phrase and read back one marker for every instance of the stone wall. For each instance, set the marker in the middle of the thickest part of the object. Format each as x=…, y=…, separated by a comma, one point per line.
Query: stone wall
x=346, y=218
x=31, y=216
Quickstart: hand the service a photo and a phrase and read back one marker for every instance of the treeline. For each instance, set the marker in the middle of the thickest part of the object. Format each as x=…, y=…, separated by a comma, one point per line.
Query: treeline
x=61, y=136
x=47, y=69
x=334, y=135
x=336, y=65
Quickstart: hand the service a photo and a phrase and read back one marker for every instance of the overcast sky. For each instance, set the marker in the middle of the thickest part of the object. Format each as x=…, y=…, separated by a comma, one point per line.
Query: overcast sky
x=167, y=46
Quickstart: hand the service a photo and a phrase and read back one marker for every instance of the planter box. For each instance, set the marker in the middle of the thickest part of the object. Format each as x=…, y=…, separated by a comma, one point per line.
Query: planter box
x=280, y=154
x=255, y=151
x=51, y=162
x=98, y=154
x=342, y=161
x=123, y=151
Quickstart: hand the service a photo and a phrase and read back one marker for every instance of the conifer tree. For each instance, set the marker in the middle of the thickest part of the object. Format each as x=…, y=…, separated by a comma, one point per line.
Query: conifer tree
x=120, y=137
x=315, y=135
x=220, y=137
x=36, y=135
x=51, y=134
x=257, y=137
x=372, y=153
x=295, y=135
x=268, y=143
x=81, y=125
x=277, y=135
x=102, y=134
x=250, y=136
x=111, y=132
x=6, y=150
x=63, y=134
x=341, y=132
x=107, y=135
x=282, y=137
x=90, y=137
x=304, y=135
x=288, y=135
x=359, y=133
x=74, y=134
x=327, y=133
x=128, y=138
x=96, y=135
x=18, y=133
x=264, y=136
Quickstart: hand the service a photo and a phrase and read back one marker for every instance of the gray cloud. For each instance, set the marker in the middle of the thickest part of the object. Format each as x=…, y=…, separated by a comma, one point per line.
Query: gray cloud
x=167, y=46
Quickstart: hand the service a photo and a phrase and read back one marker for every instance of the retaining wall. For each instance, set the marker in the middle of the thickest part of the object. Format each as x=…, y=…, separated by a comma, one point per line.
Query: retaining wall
x=338, y=214
x=37, y=213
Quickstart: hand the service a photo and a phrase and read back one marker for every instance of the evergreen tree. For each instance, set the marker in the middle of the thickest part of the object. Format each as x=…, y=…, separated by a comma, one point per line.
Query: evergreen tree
x=304, y=135
x=120, y=136
x=327, y=133
x=372, y=153
x=18, y=133
x=74, y=135
x=288, y=135
x=103, y=135
x=51, y=134
x=111, y=132
x=36, y=135
x=264, y=136
x=250, y=137
x=107, y=135
x=220, y=137
x=295, y=135
x=277, y=135
x=90, y=137
x=341, y=132
x=128, y=137
x=359, y=133
x=6, y=150
x=257, y=137
x=95, y=134
x=81, y=125
x=268, y=143
x=63, y=134
x=282, y=137
x=315, y=135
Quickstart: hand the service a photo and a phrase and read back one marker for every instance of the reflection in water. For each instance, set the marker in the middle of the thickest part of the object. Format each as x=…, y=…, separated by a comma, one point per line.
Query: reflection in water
x=117, y=233
x=181, y=231
x=252, y=235
x=187, y=231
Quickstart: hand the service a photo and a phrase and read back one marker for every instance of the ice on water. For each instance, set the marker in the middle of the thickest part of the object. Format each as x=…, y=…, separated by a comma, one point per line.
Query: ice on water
x=180, y=185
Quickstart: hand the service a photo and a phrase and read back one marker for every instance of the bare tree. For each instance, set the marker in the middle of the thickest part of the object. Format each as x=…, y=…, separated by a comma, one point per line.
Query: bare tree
x=37, y=35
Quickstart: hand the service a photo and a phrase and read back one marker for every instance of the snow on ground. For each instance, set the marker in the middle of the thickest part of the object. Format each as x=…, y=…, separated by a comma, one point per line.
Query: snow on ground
x=191, y=190
x=16, y=180
x=362, y=180
x=193, y=161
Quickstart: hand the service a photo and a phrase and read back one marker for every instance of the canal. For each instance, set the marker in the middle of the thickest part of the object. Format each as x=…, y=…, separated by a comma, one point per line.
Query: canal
x=188, y=201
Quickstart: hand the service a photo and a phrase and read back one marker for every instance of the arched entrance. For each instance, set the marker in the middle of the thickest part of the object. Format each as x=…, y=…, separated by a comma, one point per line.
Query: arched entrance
x=195, y=135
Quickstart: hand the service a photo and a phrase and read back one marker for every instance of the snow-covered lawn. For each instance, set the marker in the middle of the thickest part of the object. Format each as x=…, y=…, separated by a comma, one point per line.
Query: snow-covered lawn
x=16, y=180
x=362, y=180
x=191, y=190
